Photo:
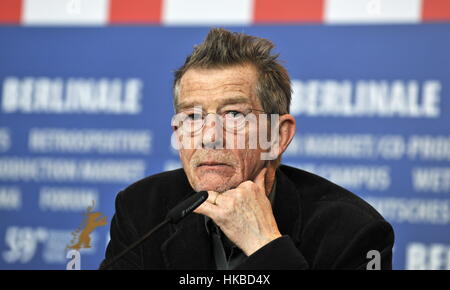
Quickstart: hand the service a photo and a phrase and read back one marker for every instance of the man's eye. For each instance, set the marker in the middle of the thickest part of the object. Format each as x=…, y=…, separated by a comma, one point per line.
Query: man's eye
x=194, y=116
x=234, y=114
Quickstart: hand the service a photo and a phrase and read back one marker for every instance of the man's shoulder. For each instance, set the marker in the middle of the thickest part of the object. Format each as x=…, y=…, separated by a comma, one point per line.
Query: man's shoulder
x=335, y=225
x=165, y=186
x=320, y=195
x=166, y=179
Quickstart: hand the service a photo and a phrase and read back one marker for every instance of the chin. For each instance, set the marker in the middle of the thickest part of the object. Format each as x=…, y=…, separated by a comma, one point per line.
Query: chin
x=214, y=178
x=210, y=182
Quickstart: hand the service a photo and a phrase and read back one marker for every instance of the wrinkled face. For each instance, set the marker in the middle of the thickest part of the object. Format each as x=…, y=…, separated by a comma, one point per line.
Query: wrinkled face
x=217, y=91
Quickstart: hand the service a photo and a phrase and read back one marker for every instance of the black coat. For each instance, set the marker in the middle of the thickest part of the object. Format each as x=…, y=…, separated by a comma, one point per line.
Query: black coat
x=323, y=225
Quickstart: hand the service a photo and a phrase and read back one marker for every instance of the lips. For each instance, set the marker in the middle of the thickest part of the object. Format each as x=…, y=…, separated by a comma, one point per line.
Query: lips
x=212, y=163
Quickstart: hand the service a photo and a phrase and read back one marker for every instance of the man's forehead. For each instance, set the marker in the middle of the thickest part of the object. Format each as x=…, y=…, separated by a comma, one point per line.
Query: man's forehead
x=210, y=87
x=229, y=78
x=218, y=100
x=236, y=84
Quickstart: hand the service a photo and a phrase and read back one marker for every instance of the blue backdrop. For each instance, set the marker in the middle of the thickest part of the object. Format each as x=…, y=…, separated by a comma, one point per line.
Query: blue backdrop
x=86, y=112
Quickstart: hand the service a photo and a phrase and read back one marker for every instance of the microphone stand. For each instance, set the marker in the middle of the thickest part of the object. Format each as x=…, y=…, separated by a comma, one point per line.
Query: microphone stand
x=174, y=216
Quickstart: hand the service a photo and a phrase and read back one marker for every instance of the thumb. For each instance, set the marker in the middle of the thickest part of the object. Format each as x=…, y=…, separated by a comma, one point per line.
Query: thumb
x=260, y=179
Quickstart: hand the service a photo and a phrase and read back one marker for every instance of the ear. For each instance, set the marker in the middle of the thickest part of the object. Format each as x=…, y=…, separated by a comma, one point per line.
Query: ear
x=286, y=131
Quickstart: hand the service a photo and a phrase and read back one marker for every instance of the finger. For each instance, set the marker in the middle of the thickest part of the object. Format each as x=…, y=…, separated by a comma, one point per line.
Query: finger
x=212, y=195
x=260, y=179
x=207, y=208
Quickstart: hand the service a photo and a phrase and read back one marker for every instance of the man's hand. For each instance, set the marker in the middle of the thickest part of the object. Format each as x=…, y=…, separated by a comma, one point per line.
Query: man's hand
x=244, y=214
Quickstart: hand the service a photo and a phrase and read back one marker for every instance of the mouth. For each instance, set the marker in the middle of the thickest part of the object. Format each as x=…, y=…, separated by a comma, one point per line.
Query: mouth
x=212, y=164
x=208, y=170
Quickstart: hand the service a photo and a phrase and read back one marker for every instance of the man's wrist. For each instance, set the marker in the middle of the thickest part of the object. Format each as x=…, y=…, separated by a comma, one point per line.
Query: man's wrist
x=261, y=243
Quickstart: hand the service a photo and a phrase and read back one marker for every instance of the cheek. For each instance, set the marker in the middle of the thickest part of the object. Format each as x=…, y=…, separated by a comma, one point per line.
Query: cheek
x=248, y=161
x=185, y=157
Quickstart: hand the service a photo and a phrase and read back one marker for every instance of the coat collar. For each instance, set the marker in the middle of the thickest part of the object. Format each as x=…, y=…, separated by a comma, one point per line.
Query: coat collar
x=189, y=245
x=287, y=206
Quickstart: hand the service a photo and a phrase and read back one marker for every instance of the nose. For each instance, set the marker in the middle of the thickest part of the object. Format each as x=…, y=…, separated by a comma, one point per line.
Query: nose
x=212, y=134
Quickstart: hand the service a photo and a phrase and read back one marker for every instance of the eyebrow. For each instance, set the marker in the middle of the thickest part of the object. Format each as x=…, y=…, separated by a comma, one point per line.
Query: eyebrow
x=227, y=101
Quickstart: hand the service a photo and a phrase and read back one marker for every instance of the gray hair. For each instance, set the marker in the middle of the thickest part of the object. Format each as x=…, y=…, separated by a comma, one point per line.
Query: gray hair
x=223, y=48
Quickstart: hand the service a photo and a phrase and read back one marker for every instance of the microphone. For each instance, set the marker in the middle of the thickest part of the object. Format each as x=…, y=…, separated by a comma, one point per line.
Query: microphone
x=186, y=207
x=175, y=215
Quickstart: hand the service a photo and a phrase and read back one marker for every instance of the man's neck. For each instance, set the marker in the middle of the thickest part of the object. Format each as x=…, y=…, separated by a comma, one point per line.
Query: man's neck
x=270, y=179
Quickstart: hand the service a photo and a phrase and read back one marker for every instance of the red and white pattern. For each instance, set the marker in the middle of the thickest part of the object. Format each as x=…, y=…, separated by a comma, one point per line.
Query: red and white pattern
x=221, y=12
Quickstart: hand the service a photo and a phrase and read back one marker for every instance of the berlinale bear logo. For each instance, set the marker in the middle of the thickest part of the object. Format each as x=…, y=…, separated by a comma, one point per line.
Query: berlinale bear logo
x=81, y=237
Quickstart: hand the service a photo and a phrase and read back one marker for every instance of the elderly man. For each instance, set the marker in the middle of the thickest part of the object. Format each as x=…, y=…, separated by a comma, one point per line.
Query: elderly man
x=259, y=214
